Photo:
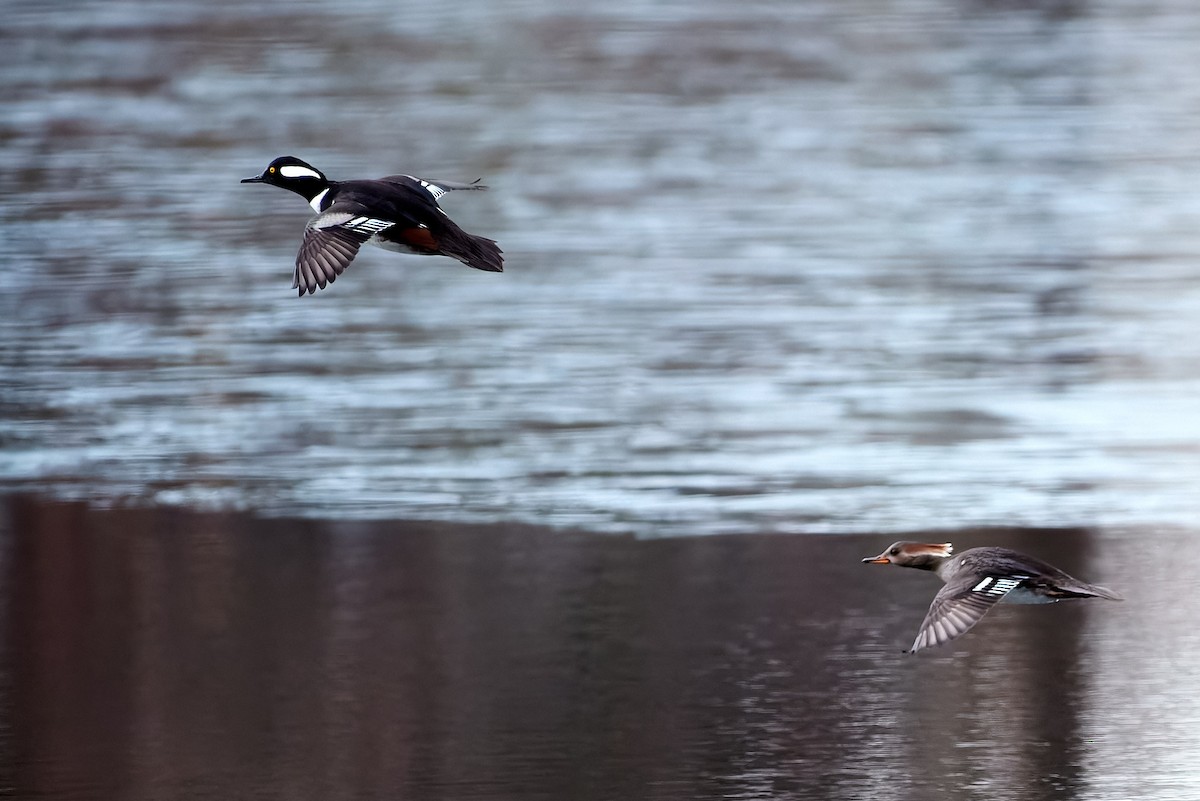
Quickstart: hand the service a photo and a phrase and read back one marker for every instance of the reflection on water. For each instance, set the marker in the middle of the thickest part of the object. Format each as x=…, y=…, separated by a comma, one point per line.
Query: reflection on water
x=165, y=655
x=771, y=267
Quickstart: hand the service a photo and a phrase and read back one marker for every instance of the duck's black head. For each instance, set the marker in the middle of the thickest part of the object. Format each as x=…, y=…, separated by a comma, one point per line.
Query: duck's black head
x=291, y=173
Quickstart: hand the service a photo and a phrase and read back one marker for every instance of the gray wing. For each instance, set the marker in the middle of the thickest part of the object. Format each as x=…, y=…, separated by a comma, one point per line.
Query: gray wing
x=331, y=241
x=435, y=188
x=960, y=605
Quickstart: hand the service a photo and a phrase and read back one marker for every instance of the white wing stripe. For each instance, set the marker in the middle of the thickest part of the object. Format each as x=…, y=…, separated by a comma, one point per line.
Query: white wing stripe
x=367, y=225
x=1003, y=586
x=431, y=188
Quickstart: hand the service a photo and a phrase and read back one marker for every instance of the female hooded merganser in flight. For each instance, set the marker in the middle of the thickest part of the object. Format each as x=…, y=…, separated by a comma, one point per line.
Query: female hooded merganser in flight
x=396, y=212
x=976, y=580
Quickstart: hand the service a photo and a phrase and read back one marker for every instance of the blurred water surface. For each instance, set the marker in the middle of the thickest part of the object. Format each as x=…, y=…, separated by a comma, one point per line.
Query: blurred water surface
x=772, y=266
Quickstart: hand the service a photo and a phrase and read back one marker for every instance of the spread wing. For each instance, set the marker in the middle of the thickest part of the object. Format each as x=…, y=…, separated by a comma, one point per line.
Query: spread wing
x=331, y=241
x=961, y=604
x=435, y=188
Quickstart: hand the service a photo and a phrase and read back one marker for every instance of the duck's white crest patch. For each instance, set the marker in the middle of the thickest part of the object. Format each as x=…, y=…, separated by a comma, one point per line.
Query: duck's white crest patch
x=296, y=171
x=316, y=201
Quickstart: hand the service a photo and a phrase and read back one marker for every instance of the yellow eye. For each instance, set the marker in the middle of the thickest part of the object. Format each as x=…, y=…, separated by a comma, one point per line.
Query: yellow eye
x=272, y=169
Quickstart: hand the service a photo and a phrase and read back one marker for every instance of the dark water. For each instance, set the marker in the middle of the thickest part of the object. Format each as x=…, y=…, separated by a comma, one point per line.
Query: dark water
x=174, y=655
x=771, y=266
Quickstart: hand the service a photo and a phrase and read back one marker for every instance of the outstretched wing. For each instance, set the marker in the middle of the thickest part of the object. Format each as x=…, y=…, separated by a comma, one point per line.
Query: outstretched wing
x=435, y=188
x=961, y=604
x=331, y=241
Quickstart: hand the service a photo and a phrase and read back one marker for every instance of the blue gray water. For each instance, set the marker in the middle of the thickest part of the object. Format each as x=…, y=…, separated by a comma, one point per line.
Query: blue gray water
x=771, y=266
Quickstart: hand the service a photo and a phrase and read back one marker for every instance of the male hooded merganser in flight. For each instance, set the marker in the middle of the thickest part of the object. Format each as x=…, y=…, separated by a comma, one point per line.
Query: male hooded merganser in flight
x=396, y=212
x=976, y=580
